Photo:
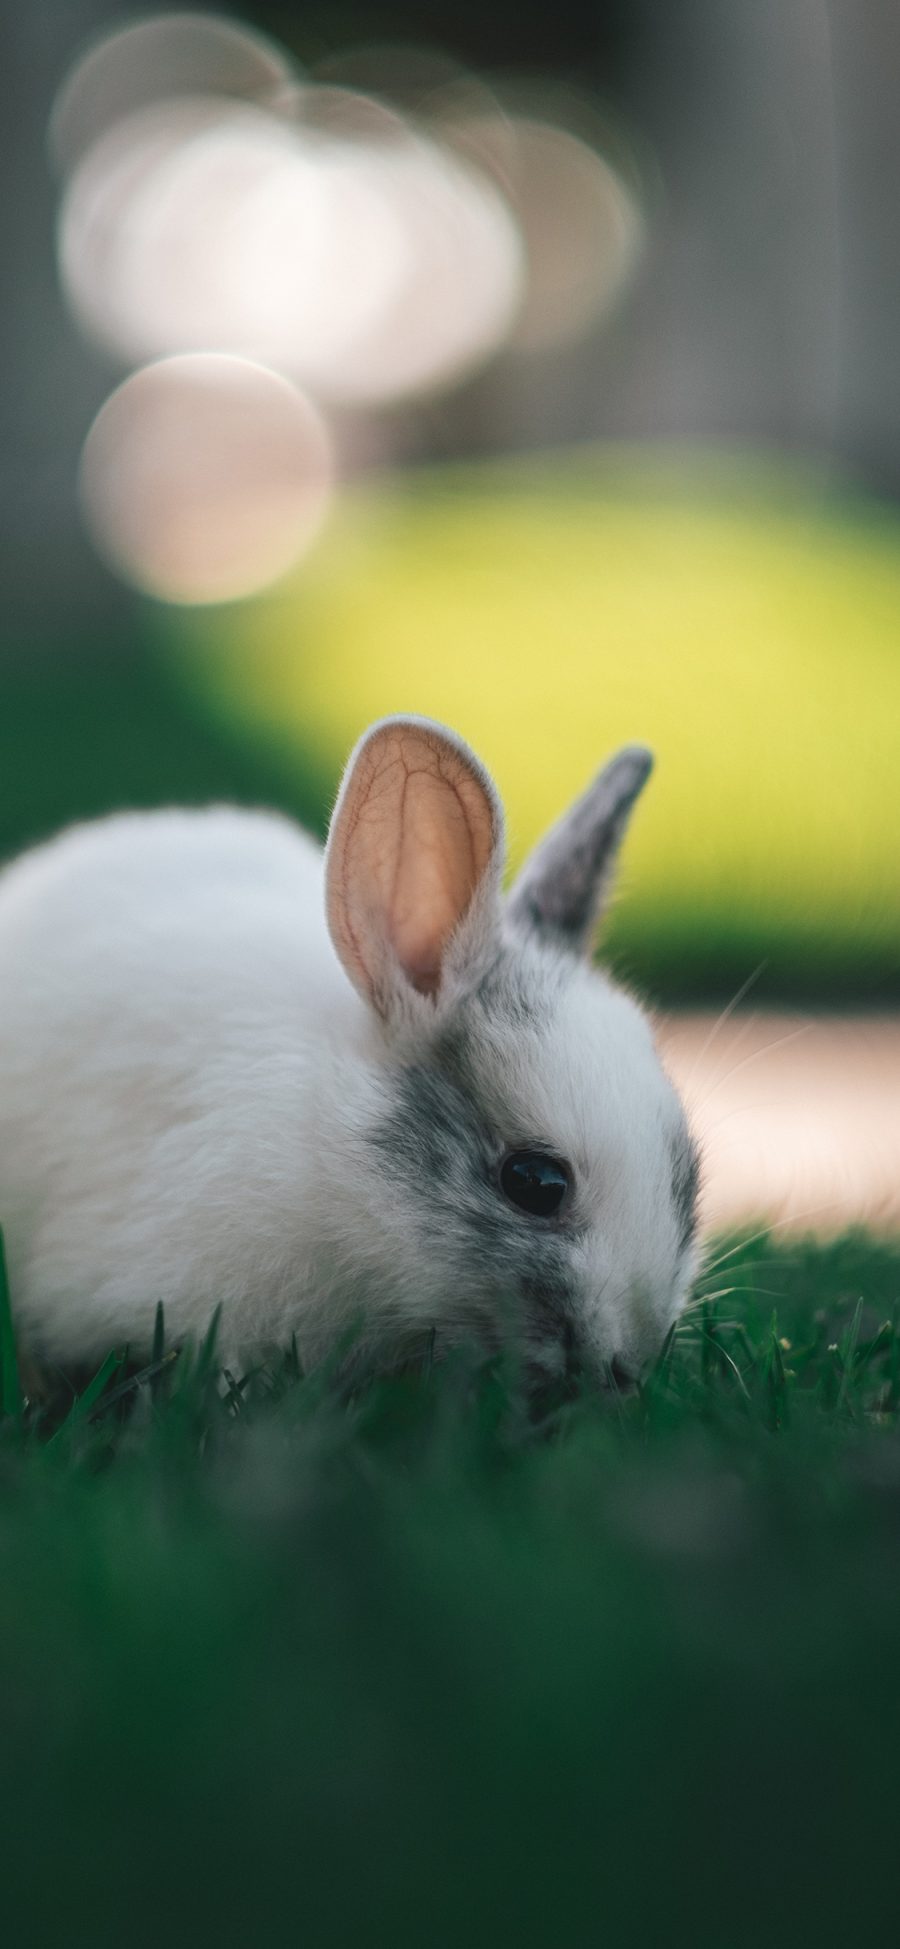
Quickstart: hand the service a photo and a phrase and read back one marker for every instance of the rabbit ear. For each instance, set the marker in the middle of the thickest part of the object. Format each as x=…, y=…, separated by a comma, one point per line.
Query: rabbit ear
x=414, y=858
x=564, y=886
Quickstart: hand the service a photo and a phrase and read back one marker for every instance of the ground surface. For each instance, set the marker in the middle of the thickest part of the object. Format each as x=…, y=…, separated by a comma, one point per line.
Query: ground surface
x=282, y=1666
x=798, y=1115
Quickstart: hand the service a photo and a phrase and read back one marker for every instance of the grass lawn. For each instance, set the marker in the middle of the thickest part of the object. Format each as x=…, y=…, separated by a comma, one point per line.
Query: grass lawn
x=281, y=1665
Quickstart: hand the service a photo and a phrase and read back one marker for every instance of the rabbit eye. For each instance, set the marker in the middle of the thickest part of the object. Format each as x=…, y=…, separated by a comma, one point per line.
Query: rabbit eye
x=535, y=1182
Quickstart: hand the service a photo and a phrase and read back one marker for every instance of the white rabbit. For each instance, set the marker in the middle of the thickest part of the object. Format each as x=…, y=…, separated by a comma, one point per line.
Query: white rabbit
x=371, y=1091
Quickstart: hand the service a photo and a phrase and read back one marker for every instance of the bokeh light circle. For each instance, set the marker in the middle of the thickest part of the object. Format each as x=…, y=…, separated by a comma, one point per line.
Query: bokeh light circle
x=459, y=285
x=205, y=477
x=157, y=59
x=581, y=223
x=346, y=249
x=196, y=225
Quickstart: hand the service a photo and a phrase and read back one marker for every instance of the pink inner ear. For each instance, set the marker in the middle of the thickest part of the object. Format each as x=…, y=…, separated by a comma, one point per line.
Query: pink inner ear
x=413, y=836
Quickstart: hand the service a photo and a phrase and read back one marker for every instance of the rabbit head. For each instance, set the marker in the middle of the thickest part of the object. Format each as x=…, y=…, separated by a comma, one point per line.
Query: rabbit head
x=531, y=1168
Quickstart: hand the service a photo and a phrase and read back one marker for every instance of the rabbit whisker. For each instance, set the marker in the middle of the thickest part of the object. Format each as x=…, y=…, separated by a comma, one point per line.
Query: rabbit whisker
x=720, y=1021
x=780, y=1042
x=776, y=1225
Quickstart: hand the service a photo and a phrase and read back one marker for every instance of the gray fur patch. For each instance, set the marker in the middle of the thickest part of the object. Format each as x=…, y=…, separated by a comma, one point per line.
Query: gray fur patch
x=442, y=1149
x=685, y=1186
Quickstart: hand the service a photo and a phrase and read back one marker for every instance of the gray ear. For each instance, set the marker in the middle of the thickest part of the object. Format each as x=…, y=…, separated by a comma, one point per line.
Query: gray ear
x=563, y=887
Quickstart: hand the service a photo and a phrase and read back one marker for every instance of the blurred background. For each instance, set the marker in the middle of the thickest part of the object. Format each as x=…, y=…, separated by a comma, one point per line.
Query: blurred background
x=531, y=369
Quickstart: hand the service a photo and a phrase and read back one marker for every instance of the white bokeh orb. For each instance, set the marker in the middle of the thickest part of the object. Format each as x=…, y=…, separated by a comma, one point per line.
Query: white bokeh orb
x=159, y=59
x=205, y=477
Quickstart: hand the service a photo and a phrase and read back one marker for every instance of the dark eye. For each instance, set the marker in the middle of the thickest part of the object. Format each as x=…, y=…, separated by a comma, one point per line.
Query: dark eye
x=535, y=1182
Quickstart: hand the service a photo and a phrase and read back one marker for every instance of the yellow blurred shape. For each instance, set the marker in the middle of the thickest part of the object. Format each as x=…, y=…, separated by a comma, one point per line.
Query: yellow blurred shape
x=743, y=621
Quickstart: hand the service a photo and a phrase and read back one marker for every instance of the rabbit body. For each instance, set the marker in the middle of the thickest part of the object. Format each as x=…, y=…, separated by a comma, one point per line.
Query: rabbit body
x=199, y=1107
x=172, y=1021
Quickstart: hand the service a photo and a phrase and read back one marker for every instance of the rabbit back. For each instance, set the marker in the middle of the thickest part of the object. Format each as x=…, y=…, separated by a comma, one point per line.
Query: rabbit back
x=169, y=997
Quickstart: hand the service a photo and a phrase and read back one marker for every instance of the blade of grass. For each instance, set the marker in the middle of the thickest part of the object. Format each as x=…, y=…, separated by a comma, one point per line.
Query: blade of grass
x=135, y=1381
x=159, y=1335
x=10, y=1388
x=848, y=1354
x=776, y=1379
x=84, y=1402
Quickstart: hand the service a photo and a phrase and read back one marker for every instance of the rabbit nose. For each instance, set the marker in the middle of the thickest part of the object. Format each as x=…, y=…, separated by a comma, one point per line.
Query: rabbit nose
x=579, y=1361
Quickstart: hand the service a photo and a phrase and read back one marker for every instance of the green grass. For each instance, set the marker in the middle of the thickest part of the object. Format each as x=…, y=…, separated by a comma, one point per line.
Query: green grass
x=285, y=1663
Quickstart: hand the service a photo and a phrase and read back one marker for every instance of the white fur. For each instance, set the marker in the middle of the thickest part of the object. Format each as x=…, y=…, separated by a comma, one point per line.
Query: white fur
x=188, y=1083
